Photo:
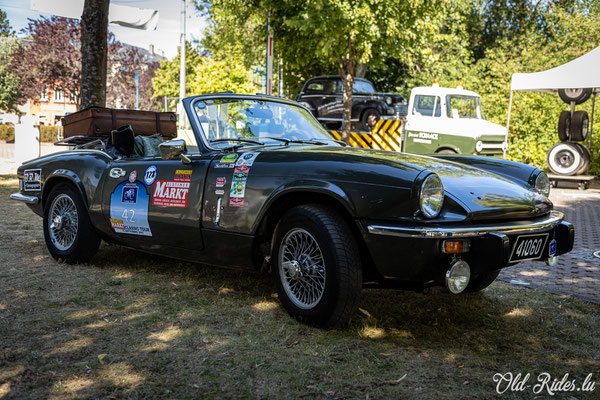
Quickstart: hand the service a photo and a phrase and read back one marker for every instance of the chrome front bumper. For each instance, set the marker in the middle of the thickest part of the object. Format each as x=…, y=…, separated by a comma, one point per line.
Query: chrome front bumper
x=24, y=198
x=543, y=224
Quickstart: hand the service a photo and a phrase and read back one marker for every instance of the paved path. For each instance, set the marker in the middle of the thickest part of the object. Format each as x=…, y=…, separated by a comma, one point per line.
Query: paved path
x=578, y=272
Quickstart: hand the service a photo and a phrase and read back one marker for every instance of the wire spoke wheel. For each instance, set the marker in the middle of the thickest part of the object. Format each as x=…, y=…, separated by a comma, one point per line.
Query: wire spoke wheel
x=63, y=222
x=302, y=268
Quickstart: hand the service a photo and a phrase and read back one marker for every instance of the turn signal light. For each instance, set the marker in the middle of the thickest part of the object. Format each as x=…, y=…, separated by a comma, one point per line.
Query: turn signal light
x=436, y=83
x=455, y=246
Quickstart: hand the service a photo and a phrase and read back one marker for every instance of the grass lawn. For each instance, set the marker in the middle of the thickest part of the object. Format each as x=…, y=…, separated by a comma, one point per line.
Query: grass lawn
x=133, y=325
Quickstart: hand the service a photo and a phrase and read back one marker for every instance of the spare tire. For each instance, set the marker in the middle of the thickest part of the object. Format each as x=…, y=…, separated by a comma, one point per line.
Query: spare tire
x=580, y=124
x=564, y=126
x=586, y=156
x=575, y=95
x=564, y=158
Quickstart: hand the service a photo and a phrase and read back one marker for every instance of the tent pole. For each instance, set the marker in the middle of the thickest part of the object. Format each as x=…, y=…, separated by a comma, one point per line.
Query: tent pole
x=591, y=131
x=507, y=125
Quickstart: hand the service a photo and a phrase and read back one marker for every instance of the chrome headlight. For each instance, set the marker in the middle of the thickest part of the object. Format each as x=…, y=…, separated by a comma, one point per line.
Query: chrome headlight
x=431, y=196
x=388, y=100
x=542, y=183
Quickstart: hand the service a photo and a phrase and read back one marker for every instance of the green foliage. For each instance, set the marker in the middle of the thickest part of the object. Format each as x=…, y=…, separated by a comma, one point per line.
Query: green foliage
x=212, y=75
x=48, y=134
x=9, y=81
x=5, y=28
x=7, y=132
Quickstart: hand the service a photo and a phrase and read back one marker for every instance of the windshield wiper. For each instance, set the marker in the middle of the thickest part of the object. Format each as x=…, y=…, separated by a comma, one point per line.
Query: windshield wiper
x=286, y=141
x=309, y=141
x=237, y=146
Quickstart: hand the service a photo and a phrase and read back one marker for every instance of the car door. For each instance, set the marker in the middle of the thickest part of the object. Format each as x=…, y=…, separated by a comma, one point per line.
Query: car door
x=156, y=201
x=332, y=107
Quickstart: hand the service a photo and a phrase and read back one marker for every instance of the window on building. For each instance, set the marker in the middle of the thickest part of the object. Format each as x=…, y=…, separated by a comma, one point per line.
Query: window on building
x=59, y=95
x=44, y=95
x=72, y=98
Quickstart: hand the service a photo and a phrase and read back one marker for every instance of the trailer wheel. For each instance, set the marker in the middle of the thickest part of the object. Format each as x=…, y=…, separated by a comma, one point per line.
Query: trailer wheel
x=575, y=95
x=564, y=125
x=564, y=158
x=579, y=126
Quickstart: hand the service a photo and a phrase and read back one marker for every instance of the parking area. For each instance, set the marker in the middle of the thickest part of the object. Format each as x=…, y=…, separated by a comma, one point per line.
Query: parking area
x=578, y=272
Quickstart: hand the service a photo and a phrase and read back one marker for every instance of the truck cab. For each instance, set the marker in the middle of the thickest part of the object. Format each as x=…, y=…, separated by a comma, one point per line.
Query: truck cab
x=450, y=121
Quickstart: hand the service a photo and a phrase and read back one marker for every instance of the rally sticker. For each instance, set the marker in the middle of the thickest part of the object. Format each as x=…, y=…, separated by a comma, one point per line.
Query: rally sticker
x=224, y=165
x=247, y=159
x=129, y=209
x=150, y=175
x=132, y=176
x=32, y=179
x=236, y=202
x=173, y=193
x=229, y=158
x=219, y=192
x=221, y=181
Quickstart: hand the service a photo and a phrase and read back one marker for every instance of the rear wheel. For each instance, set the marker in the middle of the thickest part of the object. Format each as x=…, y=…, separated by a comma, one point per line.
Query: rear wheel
x=68, y=232
x=316, y=266
x=482, y=281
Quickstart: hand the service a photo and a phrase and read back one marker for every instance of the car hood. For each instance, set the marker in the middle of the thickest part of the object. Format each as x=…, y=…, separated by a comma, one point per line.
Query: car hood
x=483, y=194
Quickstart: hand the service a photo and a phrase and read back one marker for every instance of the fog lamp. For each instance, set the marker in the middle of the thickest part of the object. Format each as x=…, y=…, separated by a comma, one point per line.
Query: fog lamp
x=458, y=276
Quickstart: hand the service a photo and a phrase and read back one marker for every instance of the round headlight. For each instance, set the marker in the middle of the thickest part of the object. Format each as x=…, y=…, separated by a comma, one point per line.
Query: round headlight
x=431, y=197
x=458, y=276
x=542, y=183
x=388, y=100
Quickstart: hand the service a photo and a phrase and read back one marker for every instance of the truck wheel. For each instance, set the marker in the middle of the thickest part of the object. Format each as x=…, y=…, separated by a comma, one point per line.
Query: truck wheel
x=564, y=125
x=68, y=232
x=580, y=123
x=369, y=119
x=564, y=158
x=316, y=266
x=445, y=151
x=482, y=281
x=577, y=95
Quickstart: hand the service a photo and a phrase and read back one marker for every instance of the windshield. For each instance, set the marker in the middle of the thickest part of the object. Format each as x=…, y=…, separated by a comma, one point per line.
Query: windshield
x=362, y=87
x=257, y=119
x=461, y=106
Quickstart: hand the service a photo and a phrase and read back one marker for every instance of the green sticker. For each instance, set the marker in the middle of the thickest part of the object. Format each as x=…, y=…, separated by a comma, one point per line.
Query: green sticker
x=229, y=158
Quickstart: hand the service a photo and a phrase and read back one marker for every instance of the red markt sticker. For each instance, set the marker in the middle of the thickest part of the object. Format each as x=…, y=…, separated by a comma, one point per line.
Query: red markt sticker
x=221, y=181
x=170, y=194
x=236, y=202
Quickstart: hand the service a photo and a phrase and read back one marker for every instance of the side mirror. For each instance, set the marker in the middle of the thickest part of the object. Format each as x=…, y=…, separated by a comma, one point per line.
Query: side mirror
x=174, y=149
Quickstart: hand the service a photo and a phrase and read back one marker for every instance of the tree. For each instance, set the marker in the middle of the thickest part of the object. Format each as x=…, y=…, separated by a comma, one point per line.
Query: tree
x=50, y=59
x=212, y=75
x=94, y=49
x=5, y=28
x=120, y=91
x=9, y=82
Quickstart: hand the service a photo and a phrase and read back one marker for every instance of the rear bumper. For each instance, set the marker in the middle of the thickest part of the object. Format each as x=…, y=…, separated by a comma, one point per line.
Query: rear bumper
x=413, y=255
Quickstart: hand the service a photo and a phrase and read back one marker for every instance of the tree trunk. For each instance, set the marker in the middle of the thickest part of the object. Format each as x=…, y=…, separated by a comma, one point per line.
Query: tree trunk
x=347, y=64
x=94, y=48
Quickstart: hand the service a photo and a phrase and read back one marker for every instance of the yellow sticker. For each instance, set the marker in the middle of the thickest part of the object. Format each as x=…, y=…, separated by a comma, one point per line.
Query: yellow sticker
x=229, y=158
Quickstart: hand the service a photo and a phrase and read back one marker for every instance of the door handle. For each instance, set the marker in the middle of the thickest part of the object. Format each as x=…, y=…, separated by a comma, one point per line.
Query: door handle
x=218, y=214
x=117, y=173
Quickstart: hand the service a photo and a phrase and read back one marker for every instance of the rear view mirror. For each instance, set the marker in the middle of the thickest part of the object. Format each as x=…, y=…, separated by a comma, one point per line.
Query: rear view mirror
x=174, y=149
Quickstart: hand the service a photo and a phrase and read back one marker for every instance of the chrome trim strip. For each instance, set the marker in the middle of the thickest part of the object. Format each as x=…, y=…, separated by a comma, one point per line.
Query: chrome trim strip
x=24, y=198
x=436, y=232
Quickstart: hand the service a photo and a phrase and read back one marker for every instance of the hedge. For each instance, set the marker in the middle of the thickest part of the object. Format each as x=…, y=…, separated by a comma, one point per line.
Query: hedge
x=48, y=134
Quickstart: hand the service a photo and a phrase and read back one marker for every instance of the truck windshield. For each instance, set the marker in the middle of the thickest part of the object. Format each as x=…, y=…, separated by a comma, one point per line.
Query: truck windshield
x=461, y=106
x=257, y=119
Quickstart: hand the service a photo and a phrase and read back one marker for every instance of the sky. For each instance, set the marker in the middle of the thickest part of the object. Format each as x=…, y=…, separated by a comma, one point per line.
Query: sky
x=165, y=38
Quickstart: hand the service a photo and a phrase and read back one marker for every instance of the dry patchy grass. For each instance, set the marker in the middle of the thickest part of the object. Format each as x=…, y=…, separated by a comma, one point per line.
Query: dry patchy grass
x=132, y=325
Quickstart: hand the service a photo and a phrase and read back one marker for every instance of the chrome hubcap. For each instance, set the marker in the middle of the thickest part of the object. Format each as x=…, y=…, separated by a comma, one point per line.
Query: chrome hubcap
x=63, y=222
x=302, y=268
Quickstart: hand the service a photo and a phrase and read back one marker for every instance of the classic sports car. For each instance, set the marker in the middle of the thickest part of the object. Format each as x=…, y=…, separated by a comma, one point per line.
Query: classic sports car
x=261, y=186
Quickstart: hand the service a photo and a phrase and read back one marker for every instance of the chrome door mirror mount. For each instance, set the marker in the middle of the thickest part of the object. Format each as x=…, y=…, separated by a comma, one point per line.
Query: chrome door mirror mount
x=174, y=149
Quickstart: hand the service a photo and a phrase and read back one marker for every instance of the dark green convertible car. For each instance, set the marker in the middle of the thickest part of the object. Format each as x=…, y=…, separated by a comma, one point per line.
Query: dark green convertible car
x=259, y=185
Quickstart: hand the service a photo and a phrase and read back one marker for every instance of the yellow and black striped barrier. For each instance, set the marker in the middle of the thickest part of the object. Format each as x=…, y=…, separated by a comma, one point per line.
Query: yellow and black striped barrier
x=384, y=136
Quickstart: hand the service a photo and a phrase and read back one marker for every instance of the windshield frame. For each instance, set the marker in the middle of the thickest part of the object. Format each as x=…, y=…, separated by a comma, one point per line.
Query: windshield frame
x=203, y=142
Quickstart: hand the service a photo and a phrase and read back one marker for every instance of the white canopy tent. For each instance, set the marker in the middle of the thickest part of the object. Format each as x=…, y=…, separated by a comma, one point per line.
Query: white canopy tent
x=582, y=72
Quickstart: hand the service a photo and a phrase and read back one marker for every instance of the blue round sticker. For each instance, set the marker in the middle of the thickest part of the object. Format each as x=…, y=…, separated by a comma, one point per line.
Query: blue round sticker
x=150, y=175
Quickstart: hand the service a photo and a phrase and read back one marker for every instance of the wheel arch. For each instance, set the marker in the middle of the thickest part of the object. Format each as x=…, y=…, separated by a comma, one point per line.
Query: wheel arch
x=294, y=196
x=64, y=176
x=447, y=147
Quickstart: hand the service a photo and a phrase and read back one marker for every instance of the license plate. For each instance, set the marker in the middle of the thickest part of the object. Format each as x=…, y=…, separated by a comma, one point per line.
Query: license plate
x=529, y=247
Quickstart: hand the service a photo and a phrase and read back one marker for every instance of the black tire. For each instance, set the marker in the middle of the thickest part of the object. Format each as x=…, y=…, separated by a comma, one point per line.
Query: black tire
x=564, y=125
x=83, y=240
x=580, y=124
x=369, y=119
x=446, y=151
x=586, y=156
x=337, y=262
x=564, y=158
x=577, y=95
x=482, y=281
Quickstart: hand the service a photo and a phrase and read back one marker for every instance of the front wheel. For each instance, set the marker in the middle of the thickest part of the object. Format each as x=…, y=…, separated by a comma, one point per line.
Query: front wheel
x=316, y=266
x=369, y=119
x=68, y=231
